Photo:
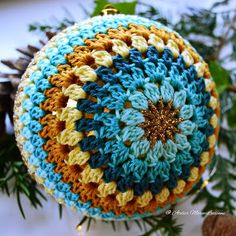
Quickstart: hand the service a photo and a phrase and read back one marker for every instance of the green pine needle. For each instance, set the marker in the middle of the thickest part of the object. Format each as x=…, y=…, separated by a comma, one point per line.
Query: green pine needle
x=13, y=170
x=137, y=222
x=89, y=223
x=223, y=182
x=127, y=225
x=19, y=203
x=60, y=209
x=165, y=225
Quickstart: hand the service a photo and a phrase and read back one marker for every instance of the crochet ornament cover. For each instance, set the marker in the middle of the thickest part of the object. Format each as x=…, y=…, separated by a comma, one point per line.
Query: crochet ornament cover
x=117, y=117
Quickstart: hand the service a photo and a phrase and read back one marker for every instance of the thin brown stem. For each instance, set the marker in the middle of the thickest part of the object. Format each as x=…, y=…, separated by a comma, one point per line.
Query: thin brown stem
x=232, y=88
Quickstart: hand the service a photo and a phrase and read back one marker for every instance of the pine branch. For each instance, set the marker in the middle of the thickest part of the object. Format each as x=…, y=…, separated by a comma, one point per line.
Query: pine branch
x=164, y=225
x=12, y=170
x=60, y=209
x=223, y=181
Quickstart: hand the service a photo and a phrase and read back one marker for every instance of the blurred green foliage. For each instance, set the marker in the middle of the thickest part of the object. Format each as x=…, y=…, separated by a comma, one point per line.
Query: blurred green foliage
x=122, y=7
x=220, y=75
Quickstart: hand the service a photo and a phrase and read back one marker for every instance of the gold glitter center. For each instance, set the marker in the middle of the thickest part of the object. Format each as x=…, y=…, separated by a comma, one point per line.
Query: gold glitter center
x=161, y=122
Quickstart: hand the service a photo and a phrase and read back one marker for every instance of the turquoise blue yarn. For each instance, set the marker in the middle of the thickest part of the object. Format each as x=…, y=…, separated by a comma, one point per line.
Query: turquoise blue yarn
x=27, y=104
x=140, y=147
x=155, y=153
x=138, y=100
x=186, y=111
x=34, y=161
x=65, y=49
x=25, y=118
x=35, y=126
x=42, y=85
x=71, y=199
x=37, y=98
x=179, y=99
x=49, y=70
x=49, y=185
x=36, y=75
x=41, y=64
x=131, y=133
x=62, y=41
x=26, y=132
x=59, y=59
x=51, y=52
x=169, y=151
x=131, y=116
x=182, y=142
x=152, y=92
x=37, y=141
x=167, y=91
x=28, y=146
x=29, y=90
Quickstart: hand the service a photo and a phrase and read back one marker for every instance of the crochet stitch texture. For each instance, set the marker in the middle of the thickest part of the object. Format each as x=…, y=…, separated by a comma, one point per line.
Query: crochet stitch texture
x=117, y=117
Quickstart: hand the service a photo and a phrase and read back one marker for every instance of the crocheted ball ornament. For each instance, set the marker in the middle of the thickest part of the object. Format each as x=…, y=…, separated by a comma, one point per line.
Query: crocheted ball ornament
x=117, y=117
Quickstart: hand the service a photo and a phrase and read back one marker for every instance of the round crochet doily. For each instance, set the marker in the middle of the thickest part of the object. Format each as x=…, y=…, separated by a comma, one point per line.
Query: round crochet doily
x=117, y=117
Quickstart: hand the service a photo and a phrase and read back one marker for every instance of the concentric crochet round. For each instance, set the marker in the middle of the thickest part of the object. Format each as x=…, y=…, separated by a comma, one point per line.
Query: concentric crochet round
x=117, y=117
